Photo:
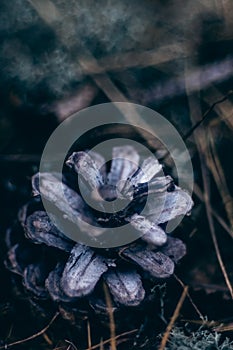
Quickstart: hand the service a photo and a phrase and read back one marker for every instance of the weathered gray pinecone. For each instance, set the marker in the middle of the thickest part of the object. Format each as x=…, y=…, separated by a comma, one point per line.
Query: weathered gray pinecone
x=55, y=267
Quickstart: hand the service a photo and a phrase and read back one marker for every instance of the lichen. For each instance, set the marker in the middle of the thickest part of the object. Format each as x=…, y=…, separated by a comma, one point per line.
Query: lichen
x=200, y=340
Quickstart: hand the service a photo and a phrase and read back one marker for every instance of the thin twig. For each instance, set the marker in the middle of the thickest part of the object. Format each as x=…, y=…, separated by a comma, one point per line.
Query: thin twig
x=206, y=114
x=18, y=342
x=201, y=121
x=223, y=110
x=71, y=344
x=190, y=299
x=173, y=319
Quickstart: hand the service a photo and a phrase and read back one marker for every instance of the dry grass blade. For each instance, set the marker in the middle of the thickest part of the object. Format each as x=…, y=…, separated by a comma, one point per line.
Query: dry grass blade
x=36, y=335
x=89, y=334
x=199, y=194
x=200, y=138
x=47, y=339
x=215, y=242
x=206, y=323
x=111, y=317
x=220, y=180
x=224, y=328
x=173, y=319
x=213, y=234
x=214, y=287
x=216, y=326
x=103, y=342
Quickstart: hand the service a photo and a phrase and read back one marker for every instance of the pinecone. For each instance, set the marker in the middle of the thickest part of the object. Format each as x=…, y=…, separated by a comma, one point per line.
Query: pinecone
x=53, y=266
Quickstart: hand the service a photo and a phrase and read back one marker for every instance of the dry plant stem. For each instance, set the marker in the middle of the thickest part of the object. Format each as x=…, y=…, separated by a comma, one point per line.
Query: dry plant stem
x=111, y=317
x=216, y=326
x=173, y=319
x=7, y=346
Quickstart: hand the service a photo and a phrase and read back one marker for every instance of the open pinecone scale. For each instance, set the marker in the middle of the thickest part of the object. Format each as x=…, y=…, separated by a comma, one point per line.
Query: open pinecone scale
x=56, y=267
